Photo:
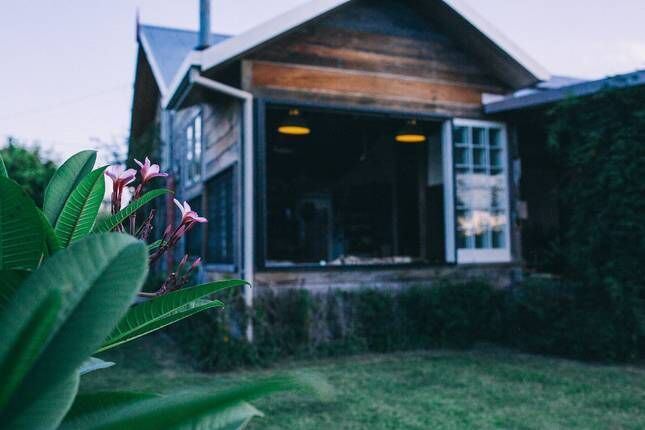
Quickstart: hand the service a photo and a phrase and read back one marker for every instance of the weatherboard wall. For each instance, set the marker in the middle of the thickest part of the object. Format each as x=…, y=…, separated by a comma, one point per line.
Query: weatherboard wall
x=382, y=54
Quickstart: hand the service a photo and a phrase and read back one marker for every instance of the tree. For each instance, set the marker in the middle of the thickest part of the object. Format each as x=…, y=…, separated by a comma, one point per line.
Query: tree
x=29, y=167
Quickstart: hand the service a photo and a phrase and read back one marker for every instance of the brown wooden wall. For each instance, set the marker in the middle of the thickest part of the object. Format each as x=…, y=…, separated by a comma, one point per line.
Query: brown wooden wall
x=222, y=133
x=379, y=53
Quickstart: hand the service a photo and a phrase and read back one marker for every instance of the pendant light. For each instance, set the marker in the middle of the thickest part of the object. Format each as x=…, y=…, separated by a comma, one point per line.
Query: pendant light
x=294, y=124
x=411, y=133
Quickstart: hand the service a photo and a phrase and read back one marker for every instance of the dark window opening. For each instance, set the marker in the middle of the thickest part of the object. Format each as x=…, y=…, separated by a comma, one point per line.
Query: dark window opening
x=349, y=194
x=195, y=237
x=220, y=192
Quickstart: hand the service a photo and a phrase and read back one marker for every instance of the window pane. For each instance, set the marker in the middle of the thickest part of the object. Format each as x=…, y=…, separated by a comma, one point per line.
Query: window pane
x=495, y=137
x=479, y=136
x=464, y=232
x=496, y=160
x=189, y=143
x=461, y=135
x=462, y=156
x=498, y=231
x=481, y=190
x=479, y=156
x=220, y=249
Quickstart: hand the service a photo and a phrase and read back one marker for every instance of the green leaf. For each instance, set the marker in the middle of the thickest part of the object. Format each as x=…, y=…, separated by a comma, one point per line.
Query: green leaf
x=109, y=223
x=98, y=278
x=94, y=407
x=64, y=182
x=77, y=217
x=161, y=311
x=220, y=410
x=28, y=344
x=3, y=168
x=47, y=412
x=171, y=318
x=11, y=280
x=155, y=245
x=92, y=364
x=21, y=232
x=51, y=241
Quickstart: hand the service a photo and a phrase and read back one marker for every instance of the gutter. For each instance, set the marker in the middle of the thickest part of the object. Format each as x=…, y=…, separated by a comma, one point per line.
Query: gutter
x=194, y=78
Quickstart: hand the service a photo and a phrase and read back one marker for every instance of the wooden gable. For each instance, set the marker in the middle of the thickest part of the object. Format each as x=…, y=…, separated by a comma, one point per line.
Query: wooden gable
x=379, y=54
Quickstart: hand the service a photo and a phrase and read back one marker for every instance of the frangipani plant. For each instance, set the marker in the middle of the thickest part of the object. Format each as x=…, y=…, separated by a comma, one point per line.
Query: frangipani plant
x=67, y=290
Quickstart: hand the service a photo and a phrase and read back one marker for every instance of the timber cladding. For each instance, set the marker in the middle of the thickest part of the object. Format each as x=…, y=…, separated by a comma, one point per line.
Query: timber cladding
x=398, y=59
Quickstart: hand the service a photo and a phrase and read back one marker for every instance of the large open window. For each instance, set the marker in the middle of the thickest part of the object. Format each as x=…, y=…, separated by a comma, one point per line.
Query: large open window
x=344, y=192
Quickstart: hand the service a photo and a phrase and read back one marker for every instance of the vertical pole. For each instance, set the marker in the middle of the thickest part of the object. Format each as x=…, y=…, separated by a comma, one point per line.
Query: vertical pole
x=249, y=213
x=204, y=24
x=448, y=191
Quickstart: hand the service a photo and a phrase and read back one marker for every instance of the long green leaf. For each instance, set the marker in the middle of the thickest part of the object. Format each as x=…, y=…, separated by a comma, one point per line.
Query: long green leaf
x=150, y=316
x=64, y=182
x=109, y=223
x=3, y=168
x=51, y=241
x=91, y=408
x=214, y=411
x=47, y=412
x=21, y=231
x=79, y=214
x=155, y=245
x=29, y=345
x=171, y=318
x=98, y=278
x=10, y=280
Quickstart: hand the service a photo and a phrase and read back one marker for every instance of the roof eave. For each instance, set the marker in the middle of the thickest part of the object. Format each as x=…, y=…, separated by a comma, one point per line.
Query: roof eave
x=555, y=95
x=193, y=60
x=534, y=71
x=156, y=70
x=237, y=46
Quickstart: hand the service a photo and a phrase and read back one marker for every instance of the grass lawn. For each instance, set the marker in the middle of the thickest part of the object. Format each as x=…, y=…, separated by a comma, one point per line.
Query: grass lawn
x=479, y=389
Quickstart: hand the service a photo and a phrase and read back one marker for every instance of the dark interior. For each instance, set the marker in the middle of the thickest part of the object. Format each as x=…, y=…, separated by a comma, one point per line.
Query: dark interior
x=349, y=194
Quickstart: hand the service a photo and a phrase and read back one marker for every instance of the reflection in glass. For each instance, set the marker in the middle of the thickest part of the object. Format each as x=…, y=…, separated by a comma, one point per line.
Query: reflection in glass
x=480, y=185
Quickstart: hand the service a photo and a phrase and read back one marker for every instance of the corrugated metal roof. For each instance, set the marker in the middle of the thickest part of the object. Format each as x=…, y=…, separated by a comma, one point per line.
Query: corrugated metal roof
x=554, y=93
x=167, y=48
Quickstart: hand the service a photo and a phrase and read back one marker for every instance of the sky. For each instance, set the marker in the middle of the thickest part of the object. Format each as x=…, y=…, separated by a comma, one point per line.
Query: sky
x=67, y=66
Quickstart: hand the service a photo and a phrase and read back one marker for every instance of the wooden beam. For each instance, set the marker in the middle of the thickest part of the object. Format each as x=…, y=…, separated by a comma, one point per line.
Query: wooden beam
x=320, y=80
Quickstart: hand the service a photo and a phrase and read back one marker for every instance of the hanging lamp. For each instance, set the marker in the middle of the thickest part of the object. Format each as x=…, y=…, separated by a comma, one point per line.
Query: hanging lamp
x=411, y=133
x=294, y=124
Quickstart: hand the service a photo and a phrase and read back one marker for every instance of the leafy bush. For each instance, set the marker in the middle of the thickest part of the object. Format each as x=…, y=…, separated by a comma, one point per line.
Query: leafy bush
x=300, y=323
x=599, y=142
x=68, y=288
x=29, y=167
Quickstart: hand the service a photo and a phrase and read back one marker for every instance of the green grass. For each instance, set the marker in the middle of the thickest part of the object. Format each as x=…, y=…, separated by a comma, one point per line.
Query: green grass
x=482, y=389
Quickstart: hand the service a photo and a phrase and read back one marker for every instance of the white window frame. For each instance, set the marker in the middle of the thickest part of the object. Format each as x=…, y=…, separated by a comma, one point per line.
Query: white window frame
x=481, y=255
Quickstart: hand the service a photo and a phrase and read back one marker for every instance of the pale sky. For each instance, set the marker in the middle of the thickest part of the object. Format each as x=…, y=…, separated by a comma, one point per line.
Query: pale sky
x=67, y=66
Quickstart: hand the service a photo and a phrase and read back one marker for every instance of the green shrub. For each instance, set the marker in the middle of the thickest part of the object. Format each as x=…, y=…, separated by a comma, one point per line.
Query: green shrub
x=599, y=142
x=300, y=323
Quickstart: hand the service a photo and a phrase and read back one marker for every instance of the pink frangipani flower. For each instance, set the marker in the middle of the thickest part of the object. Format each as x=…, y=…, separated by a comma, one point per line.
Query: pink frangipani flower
x=149, y=171
x=119, y=176
x=188, y=216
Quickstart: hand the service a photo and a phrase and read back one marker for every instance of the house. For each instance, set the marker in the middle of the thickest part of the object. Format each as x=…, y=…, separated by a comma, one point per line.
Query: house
x=349, y=142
